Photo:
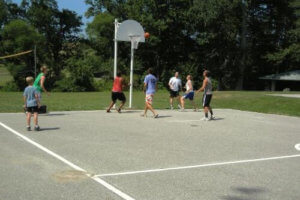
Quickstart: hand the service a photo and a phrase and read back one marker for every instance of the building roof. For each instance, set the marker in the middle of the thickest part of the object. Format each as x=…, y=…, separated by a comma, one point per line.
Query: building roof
x=286, y=76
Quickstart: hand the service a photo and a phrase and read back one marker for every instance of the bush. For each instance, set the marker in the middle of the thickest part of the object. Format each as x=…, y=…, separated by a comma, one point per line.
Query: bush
x=215, y=84
x=68, y=85
x=103, y=85
x=10, y=87
x=78, y=77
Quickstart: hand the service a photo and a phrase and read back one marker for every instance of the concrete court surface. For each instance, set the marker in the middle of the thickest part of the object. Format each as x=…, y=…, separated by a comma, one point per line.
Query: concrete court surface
x=238, y=156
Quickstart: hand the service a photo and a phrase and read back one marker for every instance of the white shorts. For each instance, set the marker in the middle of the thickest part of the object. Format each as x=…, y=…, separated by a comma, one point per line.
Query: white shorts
x=149, y=98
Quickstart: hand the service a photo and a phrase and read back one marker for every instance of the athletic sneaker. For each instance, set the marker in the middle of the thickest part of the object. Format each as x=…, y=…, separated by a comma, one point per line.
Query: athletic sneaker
x=108, y=111
x=205, y=119
x=156, y=116
x=36, y=128
x=181, y=110
x=143, y=115
x=119, y=110
x=171, y=107
x=179, y=106
x=212, y=117
x=28, y=128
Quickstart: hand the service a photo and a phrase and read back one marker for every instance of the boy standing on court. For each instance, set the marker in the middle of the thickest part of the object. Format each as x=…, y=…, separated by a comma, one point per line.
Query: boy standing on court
x=150, y=87
x=117, y=93
x=31, y=104
x=175, y=86
x=207, y=95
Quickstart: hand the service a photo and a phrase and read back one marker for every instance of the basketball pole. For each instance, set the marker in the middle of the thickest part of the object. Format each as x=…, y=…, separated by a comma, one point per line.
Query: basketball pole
x=116, y=49
x=131, y=73
x=115, y=52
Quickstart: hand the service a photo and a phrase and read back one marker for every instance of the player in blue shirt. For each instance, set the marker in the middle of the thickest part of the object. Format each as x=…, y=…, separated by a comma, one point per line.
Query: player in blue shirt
x=31, y=103
x=150, y=87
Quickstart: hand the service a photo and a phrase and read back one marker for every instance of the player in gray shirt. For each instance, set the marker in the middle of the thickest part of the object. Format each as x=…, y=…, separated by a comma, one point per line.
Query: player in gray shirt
x=207, y=95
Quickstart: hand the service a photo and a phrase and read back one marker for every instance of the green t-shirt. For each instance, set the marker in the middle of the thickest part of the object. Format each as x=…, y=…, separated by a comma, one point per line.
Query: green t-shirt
x=37, y=82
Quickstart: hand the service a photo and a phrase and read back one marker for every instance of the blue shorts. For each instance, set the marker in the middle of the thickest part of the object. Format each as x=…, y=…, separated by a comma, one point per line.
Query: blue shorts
x=189, y=96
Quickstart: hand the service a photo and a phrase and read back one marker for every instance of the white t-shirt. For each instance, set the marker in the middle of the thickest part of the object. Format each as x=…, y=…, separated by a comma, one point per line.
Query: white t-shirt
x=187, y=87
x=175, y=83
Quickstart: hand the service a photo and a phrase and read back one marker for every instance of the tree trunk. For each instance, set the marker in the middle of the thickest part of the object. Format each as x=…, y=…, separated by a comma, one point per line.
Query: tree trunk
x=240, y=82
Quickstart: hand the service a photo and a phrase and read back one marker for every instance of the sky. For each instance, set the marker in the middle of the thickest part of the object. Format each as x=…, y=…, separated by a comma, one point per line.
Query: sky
x=75, y=5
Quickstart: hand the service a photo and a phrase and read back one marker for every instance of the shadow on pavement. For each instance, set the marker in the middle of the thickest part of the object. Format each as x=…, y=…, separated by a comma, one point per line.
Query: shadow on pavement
x=130, y=111
x=218, y=119
x=164, y=116
x=55, y=114
x=49, y=129
x=245, y=193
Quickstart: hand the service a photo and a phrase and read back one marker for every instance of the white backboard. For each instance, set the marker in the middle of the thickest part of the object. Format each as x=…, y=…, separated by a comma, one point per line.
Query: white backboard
x=130, y=28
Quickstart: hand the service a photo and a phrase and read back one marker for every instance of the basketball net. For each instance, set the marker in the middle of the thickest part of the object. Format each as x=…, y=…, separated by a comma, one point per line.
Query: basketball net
x=135, y=39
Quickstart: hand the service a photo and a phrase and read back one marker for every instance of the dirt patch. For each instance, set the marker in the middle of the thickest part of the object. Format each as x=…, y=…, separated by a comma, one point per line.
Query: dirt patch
x=69, y=176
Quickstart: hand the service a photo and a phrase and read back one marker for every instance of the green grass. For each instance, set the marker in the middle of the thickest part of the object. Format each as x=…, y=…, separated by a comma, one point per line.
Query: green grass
x=247, y=101
x=4, y=76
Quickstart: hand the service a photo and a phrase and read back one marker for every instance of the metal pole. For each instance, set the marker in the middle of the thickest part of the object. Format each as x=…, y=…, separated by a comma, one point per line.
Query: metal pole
x=116, y=48
x=131, y=73
x=34, y=51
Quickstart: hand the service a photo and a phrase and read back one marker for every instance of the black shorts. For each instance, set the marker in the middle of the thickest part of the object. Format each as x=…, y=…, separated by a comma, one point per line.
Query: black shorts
x=33, y=109
x=174, y=94
x=206, y=100
x=118, y=95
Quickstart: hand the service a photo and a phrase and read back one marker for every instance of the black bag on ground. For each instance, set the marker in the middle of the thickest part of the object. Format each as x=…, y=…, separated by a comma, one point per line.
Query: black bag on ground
x=43, y=109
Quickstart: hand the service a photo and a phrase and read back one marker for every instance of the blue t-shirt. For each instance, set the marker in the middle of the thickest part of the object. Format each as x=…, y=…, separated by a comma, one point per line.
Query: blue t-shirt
x=150, y=80
x=30, y=93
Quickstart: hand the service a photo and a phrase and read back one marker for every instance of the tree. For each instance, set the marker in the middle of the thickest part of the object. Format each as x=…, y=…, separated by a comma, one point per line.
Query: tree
x=18, y=36
x=3, y=12
x=100, y=31
x=164, y=20
x=216, y=28
x=58, y=27
x=287, y=54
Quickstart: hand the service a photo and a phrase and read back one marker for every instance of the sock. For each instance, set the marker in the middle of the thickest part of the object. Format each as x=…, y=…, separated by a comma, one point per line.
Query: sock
x=211, y=112
x=206, y=115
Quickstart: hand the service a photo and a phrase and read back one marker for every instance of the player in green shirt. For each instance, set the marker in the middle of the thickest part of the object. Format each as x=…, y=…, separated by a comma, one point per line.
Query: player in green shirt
x=39, y=82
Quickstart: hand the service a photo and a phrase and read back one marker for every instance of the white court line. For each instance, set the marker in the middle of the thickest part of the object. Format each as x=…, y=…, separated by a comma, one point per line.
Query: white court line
x=97, y=179
x=297, y=147
x=198, y=166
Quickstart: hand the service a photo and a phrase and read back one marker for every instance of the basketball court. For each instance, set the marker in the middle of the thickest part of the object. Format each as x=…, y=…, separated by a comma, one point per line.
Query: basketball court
x=95, y=155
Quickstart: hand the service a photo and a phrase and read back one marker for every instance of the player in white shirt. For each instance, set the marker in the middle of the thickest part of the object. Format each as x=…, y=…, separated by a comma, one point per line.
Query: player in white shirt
x=175, y=86
x=189, y=93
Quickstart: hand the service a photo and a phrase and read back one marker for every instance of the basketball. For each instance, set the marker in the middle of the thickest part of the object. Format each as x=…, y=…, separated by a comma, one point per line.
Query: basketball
x=147, y=35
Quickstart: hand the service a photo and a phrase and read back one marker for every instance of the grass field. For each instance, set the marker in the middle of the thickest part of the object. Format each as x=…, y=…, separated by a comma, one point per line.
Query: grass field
x=4, y=76
x=247, y=101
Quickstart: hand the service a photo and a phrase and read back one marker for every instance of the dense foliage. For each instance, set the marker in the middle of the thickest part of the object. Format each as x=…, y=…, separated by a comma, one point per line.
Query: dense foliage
x=238, y=40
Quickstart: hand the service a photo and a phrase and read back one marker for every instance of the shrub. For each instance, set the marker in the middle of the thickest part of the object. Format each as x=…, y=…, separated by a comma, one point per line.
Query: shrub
x=103, y=85
x=10, y=87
